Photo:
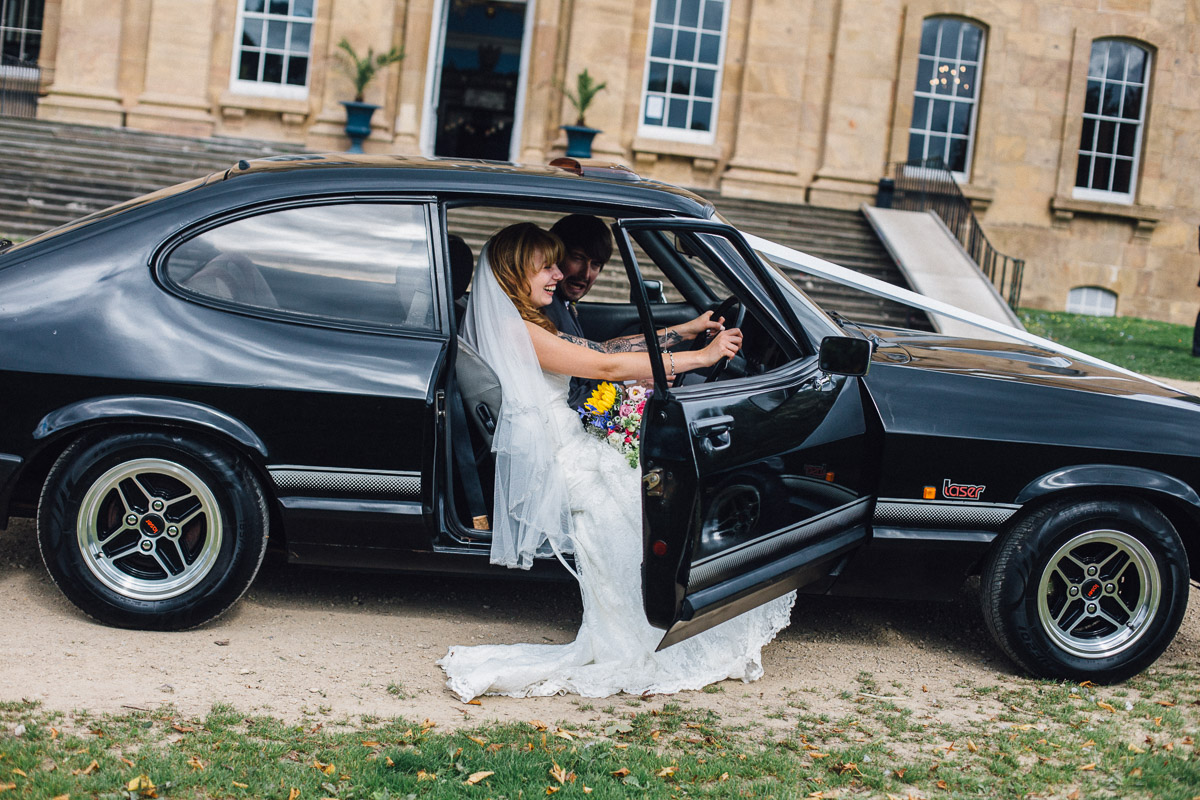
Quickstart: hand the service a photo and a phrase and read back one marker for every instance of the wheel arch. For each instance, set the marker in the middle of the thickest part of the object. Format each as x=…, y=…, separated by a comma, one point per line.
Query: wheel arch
x=60, y=428
x=1170, y=495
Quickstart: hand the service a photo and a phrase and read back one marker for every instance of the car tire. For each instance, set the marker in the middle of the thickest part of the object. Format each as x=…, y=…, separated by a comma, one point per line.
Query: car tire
x=151, y=530
x=1038, y=583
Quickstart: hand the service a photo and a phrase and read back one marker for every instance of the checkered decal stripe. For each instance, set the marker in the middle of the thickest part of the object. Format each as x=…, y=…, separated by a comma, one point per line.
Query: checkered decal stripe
x=938, y=514
x=406, y=485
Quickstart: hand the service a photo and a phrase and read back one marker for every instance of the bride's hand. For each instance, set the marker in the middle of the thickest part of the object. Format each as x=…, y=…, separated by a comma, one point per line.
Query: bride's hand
x=725, y=345
x=700, y=325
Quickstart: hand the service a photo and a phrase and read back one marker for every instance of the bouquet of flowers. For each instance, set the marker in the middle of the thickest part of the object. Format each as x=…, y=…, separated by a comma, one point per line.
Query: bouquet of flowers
x=614, y=413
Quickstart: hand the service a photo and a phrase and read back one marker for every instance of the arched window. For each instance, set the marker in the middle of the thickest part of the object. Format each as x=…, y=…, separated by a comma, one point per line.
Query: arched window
x=1092, y=300
x=945, y=98
x=1114, y=110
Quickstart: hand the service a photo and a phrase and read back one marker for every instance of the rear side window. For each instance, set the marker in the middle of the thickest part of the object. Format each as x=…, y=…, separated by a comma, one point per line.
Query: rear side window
x=357, y=263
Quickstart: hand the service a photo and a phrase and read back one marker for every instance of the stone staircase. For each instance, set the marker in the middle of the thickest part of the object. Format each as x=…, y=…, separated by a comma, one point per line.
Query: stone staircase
x=52, y=173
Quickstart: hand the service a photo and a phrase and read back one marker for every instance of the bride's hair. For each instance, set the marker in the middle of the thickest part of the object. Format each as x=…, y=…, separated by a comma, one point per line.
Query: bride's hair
x=511, y=253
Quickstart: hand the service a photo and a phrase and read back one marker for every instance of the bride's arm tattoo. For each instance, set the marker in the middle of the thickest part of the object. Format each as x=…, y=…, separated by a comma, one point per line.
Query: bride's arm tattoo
x=634, y=343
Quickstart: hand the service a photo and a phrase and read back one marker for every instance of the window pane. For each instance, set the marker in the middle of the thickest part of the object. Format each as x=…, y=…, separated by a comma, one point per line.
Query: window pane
x=1122, y=169
x=1091, y=103
x=701, y=116
x=301, y=32
x=1126, y=139
x=355, y=262
x=925, y=78
x=1099, y=56
x=276, y=34
x=1112, y=100
x=1116, y=60
x=297, y=71
x=714, y=11
x=279, y=7
x=972, y=36
x=945, y=84
x=252, y=33
x=916, y=146
x=1082, y=171
x=681, y=80
x=248, y=68
x=255, y=6
x=655, y=106
x=1088, y=140
x=941, y=116
x=657, y=80
x=948, y=47
x=960, y=122
x=272, y=68
x=1106, y=137
x=958, y=155
x=966, y=81
x=1132, y=107
x=1100, y=169
x=665, y=11
x=302, y=8
x=660, y=45
x=685, y=46
x=710, y=48
x=937, y=147
x=1135, y=65
x=705, y=82
x=689, y=13
x=677, y=115
x=929, y=32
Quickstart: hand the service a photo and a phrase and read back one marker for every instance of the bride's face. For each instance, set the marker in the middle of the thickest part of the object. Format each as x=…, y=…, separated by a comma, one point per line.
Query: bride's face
x=543, y=281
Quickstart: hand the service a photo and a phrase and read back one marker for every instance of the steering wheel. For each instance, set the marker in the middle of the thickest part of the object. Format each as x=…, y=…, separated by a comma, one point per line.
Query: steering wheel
x=720, y=310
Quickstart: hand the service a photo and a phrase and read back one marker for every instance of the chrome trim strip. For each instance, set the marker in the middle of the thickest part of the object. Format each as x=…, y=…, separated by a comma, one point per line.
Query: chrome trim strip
x=303, y=479
x=934, y=535
x=942, y=513
x=718, y=566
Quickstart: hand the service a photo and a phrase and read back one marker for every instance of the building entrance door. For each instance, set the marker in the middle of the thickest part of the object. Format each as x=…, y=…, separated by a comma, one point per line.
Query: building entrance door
x=479, y=90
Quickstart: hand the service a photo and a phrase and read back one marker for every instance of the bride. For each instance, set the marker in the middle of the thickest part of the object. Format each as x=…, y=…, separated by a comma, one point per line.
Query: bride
x=556, y=484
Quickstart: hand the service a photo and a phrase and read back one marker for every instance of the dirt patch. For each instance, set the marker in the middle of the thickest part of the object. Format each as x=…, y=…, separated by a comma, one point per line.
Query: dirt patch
x=340, y=645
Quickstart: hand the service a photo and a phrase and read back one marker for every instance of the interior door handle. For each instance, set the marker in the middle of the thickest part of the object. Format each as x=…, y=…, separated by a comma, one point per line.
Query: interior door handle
x=713, y=432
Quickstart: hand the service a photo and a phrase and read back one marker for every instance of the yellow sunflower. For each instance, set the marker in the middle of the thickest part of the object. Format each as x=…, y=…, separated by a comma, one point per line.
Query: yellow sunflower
x=602, y=399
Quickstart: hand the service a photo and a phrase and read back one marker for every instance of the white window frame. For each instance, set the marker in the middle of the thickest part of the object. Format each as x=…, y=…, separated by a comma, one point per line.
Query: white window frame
x=1091, y=300
x=1103, y=195
x=20, y=26
x=680, y=134
x=427, y=138
x=961, y=176
x=282, y=91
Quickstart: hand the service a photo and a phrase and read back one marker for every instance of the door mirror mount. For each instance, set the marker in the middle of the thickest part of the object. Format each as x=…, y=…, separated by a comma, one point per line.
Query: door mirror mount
x=845, y=355
x=654, y=291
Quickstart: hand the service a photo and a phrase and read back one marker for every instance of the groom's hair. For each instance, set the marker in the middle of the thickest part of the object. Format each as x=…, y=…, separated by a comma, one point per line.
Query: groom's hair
x=587, y=233
x=510, y=253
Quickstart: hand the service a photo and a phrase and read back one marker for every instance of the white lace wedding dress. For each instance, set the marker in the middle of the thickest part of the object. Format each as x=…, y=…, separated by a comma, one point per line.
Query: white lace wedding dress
x=615, y=648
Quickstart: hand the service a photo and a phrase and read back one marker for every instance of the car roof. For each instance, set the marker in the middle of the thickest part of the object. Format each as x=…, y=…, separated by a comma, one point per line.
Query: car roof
x=595, y=183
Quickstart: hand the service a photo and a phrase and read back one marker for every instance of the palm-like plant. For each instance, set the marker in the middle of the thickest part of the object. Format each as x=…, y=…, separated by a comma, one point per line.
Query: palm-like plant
x=585, y=92
x=362, y=71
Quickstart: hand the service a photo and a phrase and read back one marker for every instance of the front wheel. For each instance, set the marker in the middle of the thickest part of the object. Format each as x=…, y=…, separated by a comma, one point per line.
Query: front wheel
x=1087, y=589
x=151, y=530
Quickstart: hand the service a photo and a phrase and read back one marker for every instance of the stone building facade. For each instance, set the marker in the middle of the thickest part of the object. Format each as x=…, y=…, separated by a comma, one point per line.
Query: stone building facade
x=1073, y=125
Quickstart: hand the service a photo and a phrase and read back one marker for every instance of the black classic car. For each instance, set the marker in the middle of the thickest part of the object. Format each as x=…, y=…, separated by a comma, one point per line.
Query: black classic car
x=269, y=355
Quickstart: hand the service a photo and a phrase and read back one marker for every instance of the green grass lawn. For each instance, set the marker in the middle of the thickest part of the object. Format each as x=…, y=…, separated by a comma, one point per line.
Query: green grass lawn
x=1151, y=348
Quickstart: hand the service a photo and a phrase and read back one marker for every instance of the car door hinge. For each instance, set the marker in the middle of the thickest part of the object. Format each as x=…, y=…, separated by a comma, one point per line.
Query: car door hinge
x=439, y=404
x=654, y=482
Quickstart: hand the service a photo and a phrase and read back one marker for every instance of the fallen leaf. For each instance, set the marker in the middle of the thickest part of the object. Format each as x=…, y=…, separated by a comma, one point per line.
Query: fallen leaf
x=842, y=767
x=1086, y=683
x=924, y=688
x=294, y=793
x=942, y=785
x=587, y=790
x=971, y=746
x=477, y=740
x=558, y=773
x=4, y=787
x=1073, y=795
x=1088, y=767
x=1107, y=707
x=1087, y=744
x=388, y=761
x=1163, y=703
x=1136, y=772
x=538, y=724
x=621, y=773
x=328, y=769
x=818, y=755
x=654, y=734
x=666, y=772
x=143, y=786
x=53, y=734
x=1158, y=721
x=950, y=747
x=128, y=763
x=370, y=743
x=1133, y=748
x=195, y=763
x=61, y=797
x=552, y=789
x=1169, y=746
x=899, y=773
x=476, y=777
x=560, y=733
x=20, y=772
x=422, y=775
x=724, y=776
x=495, y=747
x=241, y=785
x=474, y=703
x=182, y=728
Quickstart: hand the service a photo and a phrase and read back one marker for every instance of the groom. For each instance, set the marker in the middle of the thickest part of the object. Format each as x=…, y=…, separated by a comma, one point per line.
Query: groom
x=588, y=246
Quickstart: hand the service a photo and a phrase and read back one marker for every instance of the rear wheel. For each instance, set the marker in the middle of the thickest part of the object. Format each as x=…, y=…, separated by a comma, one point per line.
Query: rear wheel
x=152, y=530
x=1087, y=590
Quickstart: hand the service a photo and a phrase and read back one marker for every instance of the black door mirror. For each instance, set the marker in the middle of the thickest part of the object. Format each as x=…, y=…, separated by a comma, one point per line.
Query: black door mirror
x=654, y=291
x=845, y=355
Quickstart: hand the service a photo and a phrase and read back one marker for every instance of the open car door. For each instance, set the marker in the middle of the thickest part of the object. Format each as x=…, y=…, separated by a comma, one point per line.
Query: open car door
x=755, y=484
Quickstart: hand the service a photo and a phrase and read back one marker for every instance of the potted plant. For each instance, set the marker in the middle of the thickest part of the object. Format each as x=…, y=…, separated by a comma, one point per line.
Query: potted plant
x=361, y=72
x=579, y=135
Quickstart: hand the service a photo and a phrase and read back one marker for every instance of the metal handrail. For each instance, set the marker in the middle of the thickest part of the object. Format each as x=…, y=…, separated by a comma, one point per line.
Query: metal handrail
x=927, y=185
x=20, y=83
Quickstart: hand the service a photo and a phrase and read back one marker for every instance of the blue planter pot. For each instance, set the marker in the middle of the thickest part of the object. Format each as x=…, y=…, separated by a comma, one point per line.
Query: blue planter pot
x=579, y=140
x=358, y=123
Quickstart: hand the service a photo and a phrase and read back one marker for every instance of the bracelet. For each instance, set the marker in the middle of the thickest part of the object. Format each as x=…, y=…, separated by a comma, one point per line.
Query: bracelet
x=671, y=356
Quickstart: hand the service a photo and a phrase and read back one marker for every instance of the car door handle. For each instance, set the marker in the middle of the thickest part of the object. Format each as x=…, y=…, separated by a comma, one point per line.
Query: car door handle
x=713, y=432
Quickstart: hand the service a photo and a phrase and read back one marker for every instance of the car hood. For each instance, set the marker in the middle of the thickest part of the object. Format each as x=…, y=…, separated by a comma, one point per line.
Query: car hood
x=1014, y=362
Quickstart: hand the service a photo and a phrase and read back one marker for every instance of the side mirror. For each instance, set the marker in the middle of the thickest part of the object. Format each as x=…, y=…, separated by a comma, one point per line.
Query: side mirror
x=654, y=291
x=845, y=355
